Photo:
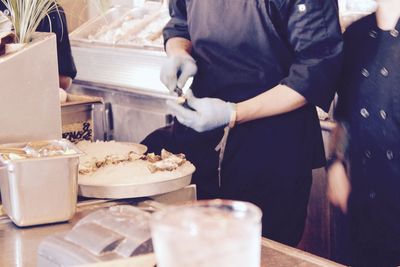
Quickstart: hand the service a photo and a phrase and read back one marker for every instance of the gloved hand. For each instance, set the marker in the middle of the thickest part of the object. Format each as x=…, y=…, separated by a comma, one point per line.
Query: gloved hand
x=177, y=70
x=208, y=113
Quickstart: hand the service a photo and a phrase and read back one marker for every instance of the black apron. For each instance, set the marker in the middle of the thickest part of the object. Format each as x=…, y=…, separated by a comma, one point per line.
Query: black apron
x=267, y=161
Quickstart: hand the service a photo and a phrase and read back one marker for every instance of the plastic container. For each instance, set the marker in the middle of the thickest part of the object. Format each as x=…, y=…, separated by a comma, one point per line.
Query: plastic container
x=108, y=234
x=209, y=233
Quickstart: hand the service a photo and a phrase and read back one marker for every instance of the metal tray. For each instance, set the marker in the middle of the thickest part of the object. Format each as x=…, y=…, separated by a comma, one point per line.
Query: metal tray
x=88, y=33
x=121, y=187
x=131, y=67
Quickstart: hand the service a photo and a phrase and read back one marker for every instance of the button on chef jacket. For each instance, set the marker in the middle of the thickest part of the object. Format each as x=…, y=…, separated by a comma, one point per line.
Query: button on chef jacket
x=242, y=49
x=369, y=102
x=66, y=65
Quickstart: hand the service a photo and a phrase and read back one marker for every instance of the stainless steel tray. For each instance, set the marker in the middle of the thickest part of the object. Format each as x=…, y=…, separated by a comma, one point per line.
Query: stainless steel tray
x=128, y=187
x=126, y=179
x=130, y=66
x=91, y=32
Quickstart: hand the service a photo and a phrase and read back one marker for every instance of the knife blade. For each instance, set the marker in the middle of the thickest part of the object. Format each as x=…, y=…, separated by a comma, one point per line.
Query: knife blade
x=182, y=99
x=178, y=91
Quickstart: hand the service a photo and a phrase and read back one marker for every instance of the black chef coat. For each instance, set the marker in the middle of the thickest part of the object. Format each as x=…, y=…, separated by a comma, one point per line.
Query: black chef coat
x=243, y=48
x=369, y=102
x=66, y=65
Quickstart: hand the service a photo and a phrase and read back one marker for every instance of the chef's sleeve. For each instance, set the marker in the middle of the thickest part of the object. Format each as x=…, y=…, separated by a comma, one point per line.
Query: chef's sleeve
x=56, y=22
x=177, y=26
x=314, y=36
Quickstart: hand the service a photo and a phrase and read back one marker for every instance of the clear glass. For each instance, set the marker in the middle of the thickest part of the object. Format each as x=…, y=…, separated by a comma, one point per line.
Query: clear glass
x=212, y=233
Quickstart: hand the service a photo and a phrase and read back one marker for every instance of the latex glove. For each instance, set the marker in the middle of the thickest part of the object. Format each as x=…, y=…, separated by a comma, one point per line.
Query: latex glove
x=177, y=70
x=208, y=113
x=338, y=186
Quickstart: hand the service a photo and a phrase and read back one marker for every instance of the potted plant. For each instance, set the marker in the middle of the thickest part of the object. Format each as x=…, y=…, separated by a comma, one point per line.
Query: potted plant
x=25, y=16
x=31, y=76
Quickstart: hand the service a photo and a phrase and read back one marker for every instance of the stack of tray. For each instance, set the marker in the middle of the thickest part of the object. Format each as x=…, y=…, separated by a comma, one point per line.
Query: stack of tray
x=122, y=47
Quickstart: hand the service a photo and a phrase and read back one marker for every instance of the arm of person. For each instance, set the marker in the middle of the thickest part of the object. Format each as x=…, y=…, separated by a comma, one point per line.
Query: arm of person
x=178, y=46
x=64, y=81
x=180, y=65
x=278, y=100
x=56, y=22
x=339, y=187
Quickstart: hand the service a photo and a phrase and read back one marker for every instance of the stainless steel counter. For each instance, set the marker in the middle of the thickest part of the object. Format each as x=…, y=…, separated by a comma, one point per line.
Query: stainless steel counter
x=19, y=245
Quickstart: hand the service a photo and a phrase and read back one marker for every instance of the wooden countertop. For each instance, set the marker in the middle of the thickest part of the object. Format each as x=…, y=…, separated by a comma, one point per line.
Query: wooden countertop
x=279, y=255
x=273, y=254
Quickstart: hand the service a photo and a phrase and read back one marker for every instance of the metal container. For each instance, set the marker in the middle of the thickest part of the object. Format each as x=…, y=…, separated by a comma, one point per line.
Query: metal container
x=130, y=66
x=112, y=28
x=40, y=190
x=83, y=118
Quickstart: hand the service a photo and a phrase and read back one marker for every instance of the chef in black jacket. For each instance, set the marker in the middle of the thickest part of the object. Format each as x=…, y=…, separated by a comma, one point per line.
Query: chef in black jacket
x=276, y=60
x=368, y=137
x=66, y=65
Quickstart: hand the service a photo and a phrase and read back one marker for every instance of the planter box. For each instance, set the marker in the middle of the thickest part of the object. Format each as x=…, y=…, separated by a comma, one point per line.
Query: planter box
x=29, y=97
